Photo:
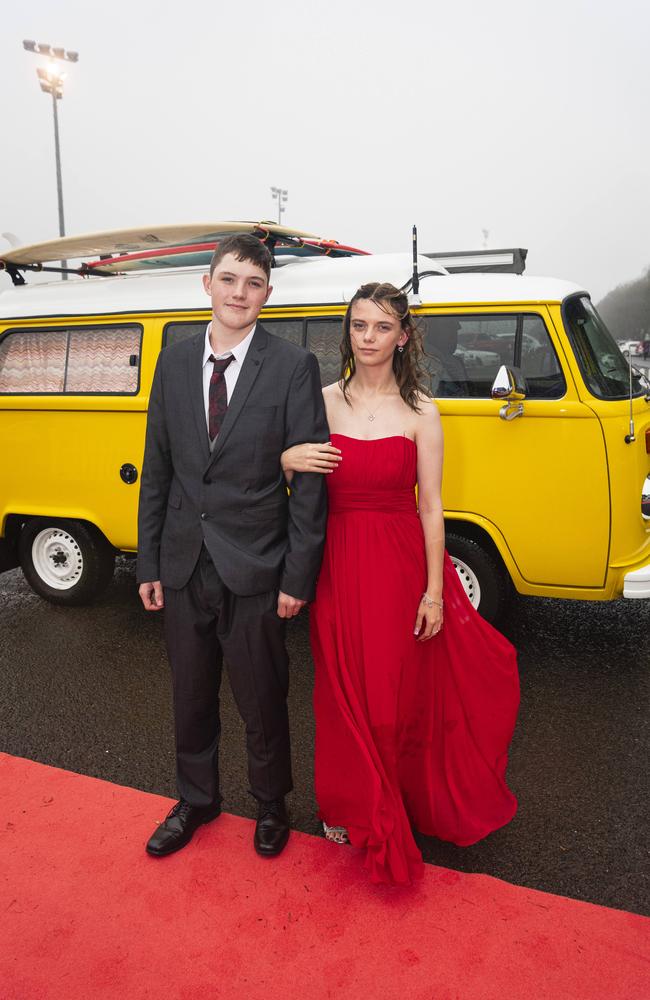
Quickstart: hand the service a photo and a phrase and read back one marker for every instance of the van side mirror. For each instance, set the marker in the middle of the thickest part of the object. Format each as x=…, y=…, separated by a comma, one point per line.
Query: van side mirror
x=510, y=385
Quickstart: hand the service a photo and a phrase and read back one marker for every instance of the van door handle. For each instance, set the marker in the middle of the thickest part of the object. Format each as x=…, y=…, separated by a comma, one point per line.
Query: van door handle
x=511, y=410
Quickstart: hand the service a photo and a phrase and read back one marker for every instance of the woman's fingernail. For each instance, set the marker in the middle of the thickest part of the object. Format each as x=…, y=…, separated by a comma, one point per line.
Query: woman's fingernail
x=416, y=631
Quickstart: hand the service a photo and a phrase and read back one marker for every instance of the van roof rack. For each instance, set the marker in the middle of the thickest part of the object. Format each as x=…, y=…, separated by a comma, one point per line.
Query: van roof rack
x=511, y=261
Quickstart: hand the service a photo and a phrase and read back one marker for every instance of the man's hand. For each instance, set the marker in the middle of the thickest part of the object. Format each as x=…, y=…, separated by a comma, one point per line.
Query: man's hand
x=151, y=595
x=288, y=607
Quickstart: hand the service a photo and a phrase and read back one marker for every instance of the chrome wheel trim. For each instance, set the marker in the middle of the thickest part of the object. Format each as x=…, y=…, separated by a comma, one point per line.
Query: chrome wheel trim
x=469, y=580
x=57, y=558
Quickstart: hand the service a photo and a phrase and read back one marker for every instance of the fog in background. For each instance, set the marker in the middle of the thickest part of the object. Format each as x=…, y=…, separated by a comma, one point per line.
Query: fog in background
x=528, y=120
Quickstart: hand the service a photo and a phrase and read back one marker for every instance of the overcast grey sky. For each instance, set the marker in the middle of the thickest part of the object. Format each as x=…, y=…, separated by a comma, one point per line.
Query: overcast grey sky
x=526, y=119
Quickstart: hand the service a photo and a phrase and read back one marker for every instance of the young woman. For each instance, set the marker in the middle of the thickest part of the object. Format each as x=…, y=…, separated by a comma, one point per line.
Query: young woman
x=415, y=694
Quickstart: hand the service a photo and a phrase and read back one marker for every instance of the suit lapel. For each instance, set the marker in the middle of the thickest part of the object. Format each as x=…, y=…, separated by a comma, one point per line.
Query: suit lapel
x=195, y=376
x=250, y=370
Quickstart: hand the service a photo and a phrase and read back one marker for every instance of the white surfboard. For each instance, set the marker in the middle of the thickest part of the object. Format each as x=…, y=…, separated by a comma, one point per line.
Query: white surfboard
x=133, y=240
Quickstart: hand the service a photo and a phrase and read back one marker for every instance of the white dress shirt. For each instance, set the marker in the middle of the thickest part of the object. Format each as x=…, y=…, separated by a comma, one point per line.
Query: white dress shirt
x=231, y=373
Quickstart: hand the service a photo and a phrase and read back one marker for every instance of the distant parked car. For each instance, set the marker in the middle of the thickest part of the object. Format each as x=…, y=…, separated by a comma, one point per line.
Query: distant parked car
x=470, y=356
x=631, y=348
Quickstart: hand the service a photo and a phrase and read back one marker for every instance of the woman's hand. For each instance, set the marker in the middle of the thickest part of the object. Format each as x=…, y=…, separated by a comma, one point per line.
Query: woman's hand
x=310, y=458
x=429, y=619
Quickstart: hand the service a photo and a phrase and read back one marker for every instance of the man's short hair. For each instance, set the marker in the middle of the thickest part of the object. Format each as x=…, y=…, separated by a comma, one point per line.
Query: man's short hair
x=243, y=246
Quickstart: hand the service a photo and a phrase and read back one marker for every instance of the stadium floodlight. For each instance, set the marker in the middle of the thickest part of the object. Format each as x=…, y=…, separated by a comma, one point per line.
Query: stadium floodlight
x=43, y=49
x=281, y=194
x=51, y=79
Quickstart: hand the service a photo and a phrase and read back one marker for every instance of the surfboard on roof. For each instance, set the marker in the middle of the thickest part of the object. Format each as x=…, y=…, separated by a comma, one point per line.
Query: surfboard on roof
x=142, y=239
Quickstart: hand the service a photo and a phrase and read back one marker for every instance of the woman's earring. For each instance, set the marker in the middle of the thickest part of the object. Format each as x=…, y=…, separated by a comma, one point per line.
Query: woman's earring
x=400, y=349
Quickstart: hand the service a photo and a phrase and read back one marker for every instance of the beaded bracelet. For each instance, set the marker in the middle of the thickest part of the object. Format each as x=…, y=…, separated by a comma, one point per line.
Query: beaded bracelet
x=429, y=601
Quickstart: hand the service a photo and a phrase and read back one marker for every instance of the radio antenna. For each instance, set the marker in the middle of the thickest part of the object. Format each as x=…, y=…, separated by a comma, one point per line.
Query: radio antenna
x=415, y=284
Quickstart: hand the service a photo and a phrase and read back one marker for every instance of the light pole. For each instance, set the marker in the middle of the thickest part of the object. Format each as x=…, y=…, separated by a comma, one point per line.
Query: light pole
x=51, y=79
x=281, y=194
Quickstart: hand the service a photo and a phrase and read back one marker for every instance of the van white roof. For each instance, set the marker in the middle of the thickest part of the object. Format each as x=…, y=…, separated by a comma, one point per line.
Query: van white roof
x=304, y=281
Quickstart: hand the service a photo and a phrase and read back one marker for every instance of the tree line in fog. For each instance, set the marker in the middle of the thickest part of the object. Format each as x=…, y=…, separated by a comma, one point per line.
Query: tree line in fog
x=626, y=309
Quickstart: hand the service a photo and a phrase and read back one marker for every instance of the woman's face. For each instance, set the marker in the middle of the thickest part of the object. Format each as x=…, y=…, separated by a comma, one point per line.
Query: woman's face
x=374, y=333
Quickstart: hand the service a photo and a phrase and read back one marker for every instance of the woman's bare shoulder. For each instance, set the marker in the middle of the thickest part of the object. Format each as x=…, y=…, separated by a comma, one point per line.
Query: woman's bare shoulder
x=429, y=415
x=427, y=404
x=332, y=392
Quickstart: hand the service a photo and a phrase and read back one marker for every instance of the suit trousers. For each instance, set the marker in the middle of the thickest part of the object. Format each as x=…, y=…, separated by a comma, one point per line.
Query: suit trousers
x=206, y=624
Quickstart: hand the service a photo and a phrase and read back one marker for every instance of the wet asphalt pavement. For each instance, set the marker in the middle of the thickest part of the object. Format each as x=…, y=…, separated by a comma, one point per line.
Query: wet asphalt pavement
x=87, y=689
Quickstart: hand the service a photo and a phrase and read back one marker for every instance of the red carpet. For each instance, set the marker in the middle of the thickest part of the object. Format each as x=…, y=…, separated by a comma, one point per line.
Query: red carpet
x=86, y=915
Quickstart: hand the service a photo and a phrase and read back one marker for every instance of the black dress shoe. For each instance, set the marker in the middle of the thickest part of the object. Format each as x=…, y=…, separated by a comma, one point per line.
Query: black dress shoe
x=178, y=828
x=271, y=829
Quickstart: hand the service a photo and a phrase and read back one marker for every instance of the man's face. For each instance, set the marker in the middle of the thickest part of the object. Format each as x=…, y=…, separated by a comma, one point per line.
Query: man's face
x=238, y=290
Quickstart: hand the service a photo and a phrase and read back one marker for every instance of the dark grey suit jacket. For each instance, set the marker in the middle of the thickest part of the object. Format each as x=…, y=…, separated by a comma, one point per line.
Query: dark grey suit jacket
x=234, y=499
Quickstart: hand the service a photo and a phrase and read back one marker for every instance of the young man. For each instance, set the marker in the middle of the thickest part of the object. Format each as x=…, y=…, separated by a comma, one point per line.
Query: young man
x=222, y=547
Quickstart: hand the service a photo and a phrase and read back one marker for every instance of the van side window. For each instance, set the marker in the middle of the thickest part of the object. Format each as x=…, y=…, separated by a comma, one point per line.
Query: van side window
x=174, y=332
x=538, y=363
x=33, y=361
x=288, y=329
x=465, y=352
x=78, y=360
x=323, y=339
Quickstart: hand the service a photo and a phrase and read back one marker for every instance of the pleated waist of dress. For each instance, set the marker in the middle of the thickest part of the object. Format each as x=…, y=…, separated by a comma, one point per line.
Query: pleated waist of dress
x=377, y=501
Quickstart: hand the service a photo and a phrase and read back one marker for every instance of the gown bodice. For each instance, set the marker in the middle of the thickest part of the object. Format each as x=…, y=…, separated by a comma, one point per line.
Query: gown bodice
x=375, y=475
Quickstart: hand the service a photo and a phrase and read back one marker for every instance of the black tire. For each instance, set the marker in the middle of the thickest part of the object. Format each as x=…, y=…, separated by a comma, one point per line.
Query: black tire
x=72, y=553
x=483, y=574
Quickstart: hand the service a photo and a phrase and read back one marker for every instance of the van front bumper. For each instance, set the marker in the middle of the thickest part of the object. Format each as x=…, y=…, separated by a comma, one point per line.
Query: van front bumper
x=636, y=584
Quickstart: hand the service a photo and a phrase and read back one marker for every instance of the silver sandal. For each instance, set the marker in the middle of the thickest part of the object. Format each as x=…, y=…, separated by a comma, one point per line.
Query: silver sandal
x=336, y=834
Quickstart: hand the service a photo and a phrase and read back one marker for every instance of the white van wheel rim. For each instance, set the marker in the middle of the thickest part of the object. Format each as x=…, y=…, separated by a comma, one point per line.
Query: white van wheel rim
x=469, y=580
x=57, y=558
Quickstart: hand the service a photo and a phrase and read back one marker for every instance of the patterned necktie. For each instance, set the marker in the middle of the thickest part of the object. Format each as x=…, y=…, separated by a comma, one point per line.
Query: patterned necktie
x=218, y=396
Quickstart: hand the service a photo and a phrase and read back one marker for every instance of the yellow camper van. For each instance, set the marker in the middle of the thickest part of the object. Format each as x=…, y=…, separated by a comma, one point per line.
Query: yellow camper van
x=547, y=429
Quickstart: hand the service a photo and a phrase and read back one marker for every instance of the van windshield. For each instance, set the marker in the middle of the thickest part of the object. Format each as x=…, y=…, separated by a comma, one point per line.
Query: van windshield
x=604, y=369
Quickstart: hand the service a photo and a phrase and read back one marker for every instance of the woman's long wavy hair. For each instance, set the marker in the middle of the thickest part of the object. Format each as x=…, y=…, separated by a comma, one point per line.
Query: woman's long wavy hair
x=408, y=365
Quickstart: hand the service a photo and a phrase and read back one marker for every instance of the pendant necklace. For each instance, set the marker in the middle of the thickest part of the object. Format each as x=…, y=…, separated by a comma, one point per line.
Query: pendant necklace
x=371, y=413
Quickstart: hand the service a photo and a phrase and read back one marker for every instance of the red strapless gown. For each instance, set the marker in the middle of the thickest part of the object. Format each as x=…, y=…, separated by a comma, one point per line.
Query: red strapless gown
x=407, y=733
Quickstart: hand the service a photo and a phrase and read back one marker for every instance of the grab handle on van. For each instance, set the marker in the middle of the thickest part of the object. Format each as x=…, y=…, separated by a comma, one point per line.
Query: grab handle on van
x=510, y=385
